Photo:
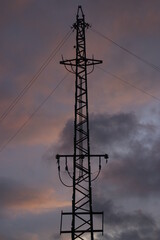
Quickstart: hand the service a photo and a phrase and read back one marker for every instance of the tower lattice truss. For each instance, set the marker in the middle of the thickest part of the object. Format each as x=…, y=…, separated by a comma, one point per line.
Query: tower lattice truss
x=82, y=214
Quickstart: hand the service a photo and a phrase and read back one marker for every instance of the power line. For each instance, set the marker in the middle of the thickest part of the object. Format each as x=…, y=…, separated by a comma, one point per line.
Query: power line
x=128, y=51
x=36, y=76
x=2, y=147
x=130, y=84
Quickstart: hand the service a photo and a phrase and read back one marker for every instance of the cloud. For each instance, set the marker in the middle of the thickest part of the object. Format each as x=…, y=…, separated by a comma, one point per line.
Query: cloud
x=132, y=172
x=30, y=225
x=113, y=129
x=21, y=237
x=42, y=129
x=134, y=165
x=119, y=18
x=25, y=50
x=29, y=31
x=20, y=197
x=136, y=173
x=105, y=130
x=118, y=218
x=66, y=138
x=127, y=225
x=133, y=147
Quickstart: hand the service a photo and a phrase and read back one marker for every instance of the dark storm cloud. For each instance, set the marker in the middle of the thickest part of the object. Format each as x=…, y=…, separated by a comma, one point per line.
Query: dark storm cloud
x=135, y=162
x=113, y=129
x=115, y=217
x=137, y=172
x=108, y=130
x=66, y=138
x=134, y=234
x=127, y=226
x=133, y=147
x=105, y=130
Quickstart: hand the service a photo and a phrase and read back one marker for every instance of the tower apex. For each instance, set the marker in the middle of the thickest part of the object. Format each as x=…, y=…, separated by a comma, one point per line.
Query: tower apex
x=80, y=13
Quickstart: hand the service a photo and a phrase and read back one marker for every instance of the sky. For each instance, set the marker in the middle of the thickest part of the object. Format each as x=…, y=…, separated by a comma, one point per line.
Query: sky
x=124, y=115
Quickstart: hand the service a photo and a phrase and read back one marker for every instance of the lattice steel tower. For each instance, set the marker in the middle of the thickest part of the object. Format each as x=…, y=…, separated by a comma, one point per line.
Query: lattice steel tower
x=82, y=214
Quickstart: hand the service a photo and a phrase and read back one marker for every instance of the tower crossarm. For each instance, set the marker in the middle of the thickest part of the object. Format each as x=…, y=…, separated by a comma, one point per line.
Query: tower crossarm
x=87, y=61
x=58, y=156
x=63, y=159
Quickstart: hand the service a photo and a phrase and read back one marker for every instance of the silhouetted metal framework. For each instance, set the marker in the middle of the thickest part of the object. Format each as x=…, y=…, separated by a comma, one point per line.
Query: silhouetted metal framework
x=82, y=213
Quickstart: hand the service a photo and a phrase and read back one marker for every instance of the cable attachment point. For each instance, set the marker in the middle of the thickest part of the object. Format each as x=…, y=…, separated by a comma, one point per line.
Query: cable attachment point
x=100, y=163
x=106, y=157
x=66, y=167
x=58, y=157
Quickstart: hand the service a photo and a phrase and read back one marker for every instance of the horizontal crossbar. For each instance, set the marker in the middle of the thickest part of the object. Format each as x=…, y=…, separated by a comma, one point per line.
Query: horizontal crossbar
x=82, y=213
x=82, y=231
x=82, y=156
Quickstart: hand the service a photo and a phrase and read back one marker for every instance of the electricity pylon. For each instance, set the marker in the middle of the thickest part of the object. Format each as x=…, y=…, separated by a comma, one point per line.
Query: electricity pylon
x=82, y=214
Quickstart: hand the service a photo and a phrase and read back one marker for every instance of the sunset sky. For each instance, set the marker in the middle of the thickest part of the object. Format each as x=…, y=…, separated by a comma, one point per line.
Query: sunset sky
x=124, y=107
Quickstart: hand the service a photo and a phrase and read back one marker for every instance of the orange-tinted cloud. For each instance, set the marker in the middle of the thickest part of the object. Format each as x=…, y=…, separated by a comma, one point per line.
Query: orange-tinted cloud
x=19, y=197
